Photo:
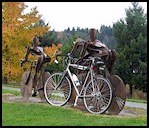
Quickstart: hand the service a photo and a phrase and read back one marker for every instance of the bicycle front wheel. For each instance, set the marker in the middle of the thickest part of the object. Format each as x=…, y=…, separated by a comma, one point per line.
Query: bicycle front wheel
x=98, y=96
x=57, y=94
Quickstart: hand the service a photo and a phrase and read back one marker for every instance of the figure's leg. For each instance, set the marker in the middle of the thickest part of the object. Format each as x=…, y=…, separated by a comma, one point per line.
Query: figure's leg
x=34, y=84
x=36, y=75
x=111, y=60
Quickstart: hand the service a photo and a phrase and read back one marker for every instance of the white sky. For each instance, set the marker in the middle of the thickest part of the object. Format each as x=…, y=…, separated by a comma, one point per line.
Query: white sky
x=62, y=15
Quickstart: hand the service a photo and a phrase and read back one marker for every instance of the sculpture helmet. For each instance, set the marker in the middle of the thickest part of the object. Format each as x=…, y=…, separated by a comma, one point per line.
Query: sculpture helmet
x=92, y=34
x=35, y=41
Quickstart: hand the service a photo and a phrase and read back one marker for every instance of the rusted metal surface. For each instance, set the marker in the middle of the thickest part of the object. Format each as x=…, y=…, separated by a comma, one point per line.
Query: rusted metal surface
x=26, y=89
x=118, y=100
x=81, y=77
x=119, y=95
x=118, y=86
x=45, y=76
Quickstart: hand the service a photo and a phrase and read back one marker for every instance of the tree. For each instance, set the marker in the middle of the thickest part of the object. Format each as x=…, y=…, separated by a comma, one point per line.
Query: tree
x=131, y=46
x=49, y=38
x=68, y=43
x=106, y=36
x=18, y=30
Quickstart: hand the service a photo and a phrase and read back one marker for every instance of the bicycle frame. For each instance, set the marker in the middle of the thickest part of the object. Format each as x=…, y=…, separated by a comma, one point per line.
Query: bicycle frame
x=81, y=67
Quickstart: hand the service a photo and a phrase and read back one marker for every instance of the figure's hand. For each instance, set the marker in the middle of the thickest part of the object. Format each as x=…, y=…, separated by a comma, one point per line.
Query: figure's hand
x=22, y=61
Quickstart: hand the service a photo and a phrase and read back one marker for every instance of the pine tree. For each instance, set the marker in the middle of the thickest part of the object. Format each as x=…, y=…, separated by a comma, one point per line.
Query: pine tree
x=131, y=46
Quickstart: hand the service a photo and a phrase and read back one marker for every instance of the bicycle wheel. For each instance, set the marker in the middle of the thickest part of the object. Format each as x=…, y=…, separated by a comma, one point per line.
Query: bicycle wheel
x=26, y=88
x=98, y=97
x=54, y=94
x=43, y=79
x=119, y=95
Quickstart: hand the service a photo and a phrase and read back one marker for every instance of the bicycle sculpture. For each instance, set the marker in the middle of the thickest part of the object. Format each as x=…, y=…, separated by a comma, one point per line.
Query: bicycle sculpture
x=34, y=79
x=26, y=84
x=88, y=82
x=94, y=48
x=58, y=87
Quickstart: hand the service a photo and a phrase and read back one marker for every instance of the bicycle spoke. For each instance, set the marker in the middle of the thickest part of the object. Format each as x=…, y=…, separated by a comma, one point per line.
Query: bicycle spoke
x=60, y=92
x=102, y=96
x=120, y=102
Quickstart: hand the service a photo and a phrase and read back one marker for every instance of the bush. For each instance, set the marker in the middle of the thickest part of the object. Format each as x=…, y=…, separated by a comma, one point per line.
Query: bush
x=138, y=94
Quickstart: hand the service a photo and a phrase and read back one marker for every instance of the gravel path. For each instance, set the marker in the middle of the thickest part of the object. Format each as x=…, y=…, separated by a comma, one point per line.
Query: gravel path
x=128, y=104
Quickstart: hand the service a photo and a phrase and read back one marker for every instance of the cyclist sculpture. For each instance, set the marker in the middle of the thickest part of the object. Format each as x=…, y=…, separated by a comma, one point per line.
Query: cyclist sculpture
x=42, y=58
x=94, y=47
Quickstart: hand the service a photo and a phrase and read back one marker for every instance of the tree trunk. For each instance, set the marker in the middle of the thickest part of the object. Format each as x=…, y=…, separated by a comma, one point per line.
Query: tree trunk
x=130, y=91
x=5, y=80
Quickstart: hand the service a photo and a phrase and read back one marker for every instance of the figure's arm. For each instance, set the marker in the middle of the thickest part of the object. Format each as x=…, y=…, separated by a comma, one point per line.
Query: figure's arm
x=83, y=51
x=27, y=53
x=74, y=49
x=26, y=56
x=78, y=42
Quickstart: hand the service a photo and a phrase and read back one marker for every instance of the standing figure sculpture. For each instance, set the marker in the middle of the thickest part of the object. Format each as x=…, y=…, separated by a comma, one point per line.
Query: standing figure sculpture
x=42, y=58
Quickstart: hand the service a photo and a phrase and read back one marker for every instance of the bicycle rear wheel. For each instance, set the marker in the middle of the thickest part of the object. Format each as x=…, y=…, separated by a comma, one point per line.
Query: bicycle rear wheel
x=119, y=95
x=98, y=97
x=54, y=94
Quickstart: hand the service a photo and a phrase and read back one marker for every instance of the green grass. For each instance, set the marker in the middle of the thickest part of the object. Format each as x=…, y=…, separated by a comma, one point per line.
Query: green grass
x=136, y=100
x=16, y=93
x=24, y=114
x=42, y=114
x=11, y=85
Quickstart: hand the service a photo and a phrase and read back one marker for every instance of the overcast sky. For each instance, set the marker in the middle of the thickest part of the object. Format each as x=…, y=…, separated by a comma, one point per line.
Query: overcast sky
x=62, y=15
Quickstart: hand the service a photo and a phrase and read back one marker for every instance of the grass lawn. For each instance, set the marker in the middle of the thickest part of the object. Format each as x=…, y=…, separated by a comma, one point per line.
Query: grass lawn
x=42, y=114
x=23, y=114
x=136, y=100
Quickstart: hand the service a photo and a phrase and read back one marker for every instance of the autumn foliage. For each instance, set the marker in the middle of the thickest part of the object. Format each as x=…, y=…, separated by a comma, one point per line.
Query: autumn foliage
x=18, y=29
x=51, y=50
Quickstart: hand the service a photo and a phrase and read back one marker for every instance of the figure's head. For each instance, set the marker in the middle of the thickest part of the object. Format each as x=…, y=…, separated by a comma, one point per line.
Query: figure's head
x=92, y=34
x=35, y=41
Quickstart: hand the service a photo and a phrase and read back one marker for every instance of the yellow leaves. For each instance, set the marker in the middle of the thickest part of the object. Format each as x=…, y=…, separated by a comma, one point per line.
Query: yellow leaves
x=32, y=57
x=11, y=13
x=17, y=34
x=51, y=50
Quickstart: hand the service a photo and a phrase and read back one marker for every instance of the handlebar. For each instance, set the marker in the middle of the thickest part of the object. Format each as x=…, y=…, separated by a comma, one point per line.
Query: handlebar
x=90, y=58
x=69, y=58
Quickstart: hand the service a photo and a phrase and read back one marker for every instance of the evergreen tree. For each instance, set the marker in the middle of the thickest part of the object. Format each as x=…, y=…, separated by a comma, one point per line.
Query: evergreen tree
x=50, y=38
x=106, y=36
x=131, y=46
